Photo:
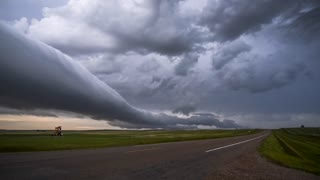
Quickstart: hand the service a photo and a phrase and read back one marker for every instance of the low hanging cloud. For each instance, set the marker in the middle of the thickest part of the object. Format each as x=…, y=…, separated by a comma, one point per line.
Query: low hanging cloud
x=34, y=112
x=185, y=110
x=37, y=76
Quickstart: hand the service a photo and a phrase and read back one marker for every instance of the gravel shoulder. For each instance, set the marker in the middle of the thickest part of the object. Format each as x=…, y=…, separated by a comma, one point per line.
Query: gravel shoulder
x=251, y=166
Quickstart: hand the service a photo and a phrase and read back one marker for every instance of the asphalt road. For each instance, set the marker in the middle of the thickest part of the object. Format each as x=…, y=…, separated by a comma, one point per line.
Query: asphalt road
x=180, y=160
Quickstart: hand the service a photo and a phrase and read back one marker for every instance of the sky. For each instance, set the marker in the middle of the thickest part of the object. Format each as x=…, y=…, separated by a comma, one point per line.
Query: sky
x=159, y=64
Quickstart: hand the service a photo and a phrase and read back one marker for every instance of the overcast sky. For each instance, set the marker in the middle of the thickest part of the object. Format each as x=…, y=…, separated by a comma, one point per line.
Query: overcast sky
x=159, y=64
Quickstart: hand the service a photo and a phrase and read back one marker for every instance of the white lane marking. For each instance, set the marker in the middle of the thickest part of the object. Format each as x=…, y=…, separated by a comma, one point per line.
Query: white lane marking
x=235, y=143
x=150, y=149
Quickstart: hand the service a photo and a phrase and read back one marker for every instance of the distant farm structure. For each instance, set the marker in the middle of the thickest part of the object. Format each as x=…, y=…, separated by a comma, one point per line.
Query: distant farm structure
x=57, y=131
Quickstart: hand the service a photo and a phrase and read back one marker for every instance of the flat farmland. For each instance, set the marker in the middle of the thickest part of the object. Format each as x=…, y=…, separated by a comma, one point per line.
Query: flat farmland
x=18, y=141
x=297, y=148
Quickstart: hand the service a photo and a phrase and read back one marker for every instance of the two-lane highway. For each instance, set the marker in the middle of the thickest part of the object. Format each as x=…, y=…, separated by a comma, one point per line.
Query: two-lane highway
x=179, y=160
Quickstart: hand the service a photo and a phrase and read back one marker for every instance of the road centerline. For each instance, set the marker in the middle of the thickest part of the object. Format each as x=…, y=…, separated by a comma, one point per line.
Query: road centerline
x=234, y=144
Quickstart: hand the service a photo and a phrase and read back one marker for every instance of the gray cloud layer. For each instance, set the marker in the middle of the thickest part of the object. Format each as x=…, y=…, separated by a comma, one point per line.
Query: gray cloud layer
x=34, y=75
x=225, y=56
x=229, y=19
x=186, y=109
x=185, y=64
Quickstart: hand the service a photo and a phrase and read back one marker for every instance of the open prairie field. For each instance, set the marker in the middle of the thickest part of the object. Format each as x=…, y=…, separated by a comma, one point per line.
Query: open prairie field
x=295, y=147
x=17, y=141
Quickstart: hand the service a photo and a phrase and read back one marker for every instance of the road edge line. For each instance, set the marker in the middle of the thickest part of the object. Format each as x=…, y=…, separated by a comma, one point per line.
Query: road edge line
x=234, y=144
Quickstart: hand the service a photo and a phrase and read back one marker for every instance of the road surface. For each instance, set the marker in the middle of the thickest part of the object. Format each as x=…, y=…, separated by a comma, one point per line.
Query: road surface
x=203, y=159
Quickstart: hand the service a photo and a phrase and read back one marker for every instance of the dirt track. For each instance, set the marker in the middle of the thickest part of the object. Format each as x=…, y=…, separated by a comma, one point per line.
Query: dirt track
x=181, y=160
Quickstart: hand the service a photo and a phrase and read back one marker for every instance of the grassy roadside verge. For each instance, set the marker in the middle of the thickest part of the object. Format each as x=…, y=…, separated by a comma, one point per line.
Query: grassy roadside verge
x=18, y=141
x=294, y=148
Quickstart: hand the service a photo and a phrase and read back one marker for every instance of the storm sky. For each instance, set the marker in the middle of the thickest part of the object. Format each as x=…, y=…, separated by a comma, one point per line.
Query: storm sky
x=160, y=64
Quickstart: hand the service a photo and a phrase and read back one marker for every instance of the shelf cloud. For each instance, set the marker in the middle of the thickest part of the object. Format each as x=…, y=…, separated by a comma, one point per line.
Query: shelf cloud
x=159, y=63
x=35, y=75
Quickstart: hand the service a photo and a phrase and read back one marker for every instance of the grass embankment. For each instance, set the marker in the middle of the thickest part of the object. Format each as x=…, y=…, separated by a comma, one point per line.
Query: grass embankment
x=17, y=141
x=297, y=148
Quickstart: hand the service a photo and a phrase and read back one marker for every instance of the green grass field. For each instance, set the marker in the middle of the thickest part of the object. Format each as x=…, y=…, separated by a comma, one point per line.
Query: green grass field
x=297, y=148
x=17, y=141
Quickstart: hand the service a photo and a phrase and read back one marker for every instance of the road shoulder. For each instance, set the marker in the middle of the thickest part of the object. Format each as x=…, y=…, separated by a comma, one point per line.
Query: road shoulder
x=252, y=166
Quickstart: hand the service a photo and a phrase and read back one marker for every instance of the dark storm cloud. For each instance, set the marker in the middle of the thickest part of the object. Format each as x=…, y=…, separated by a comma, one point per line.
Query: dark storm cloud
x=269, y=57
x=228, y=53
x=205, y=114
x=146, y=43
x=118, y=27
x=165, y=85
x=176, y=123
x=263, y=76
x=293, y=47
x=149, y=66
x=105, y=67
x=154, y=26
x=162, y=30
x=229, y=19
x=34, y=112
x=185, y=64
x=306, y=26
x=41, y=77
x=186, y=109
x=250, y=57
